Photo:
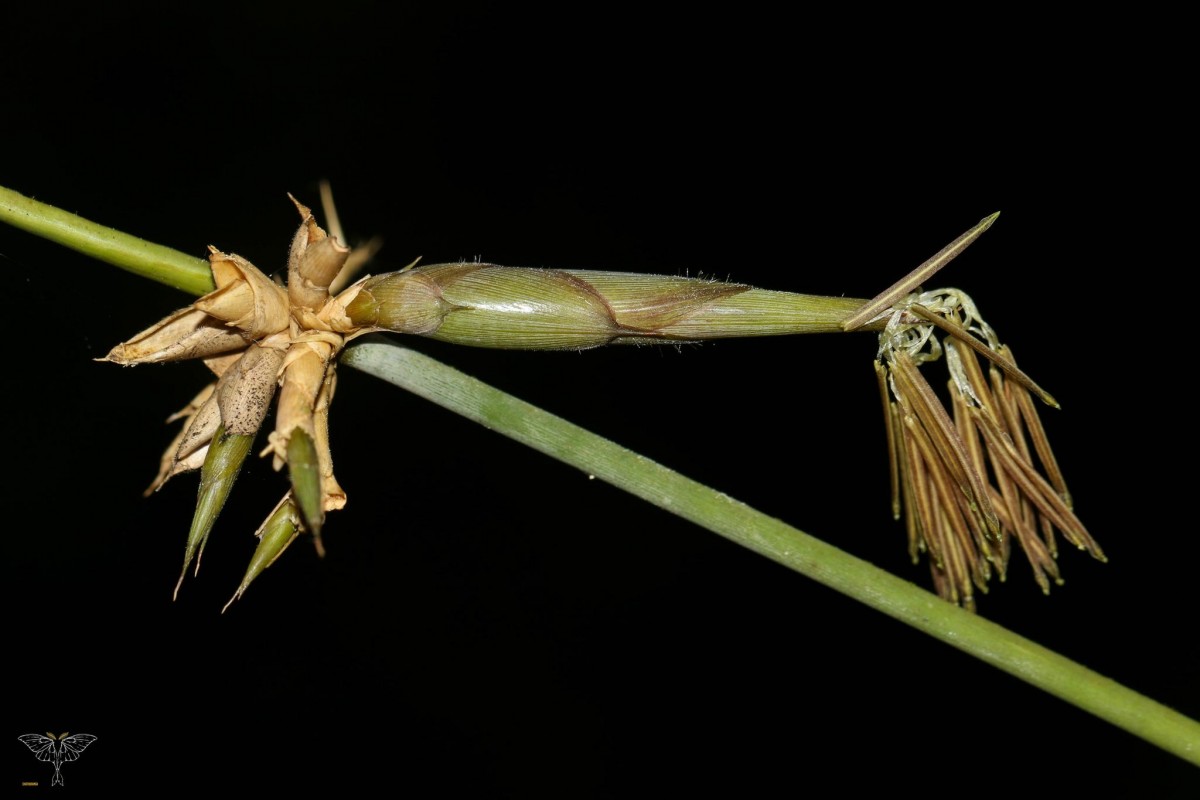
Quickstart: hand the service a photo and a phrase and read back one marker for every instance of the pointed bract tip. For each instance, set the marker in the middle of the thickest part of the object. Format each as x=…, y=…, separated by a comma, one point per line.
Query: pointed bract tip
x=305, y=211
x=274, y=536
x=236, y=596
x=116, y=356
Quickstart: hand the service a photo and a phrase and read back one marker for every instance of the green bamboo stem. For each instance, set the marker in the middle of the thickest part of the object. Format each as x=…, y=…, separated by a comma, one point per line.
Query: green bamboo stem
x=778, y=541
x=153, y=261
x=667, y=489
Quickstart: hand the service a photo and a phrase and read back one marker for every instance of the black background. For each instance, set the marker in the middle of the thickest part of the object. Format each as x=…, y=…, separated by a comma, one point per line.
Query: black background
x=488, y=620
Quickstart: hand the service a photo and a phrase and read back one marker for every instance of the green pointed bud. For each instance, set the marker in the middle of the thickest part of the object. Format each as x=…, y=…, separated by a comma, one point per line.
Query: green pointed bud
x=485, y=305
x=274, y=536
x=221, y=467
x=305, y=470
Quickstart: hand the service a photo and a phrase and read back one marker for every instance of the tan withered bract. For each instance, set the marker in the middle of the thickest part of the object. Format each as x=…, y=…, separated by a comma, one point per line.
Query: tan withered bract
x=256, y=336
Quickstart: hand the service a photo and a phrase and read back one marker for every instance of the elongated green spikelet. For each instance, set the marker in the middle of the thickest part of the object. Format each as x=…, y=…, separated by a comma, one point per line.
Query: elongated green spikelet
x=224, y=461
x=274, y=536
x=305, y=471
x=484, y=305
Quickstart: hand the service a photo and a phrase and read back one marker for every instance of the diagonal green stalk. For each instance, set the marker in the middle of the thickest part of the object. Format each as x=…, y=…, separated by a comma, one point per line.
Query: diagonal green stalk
x=667, y=489
x=778, y=541
x=153, y=261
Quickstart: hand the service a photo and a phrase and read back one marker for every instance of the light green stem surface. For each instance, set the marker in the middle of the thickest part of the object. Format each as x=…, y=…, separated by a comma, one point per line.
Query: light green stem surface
x=778, y=541
x=154, y=261
x=667, y=489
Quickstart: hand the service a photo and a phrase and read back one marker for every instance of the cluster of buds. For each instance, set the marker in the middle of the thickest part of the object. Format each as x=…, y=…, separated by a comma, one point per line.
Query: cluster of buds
x=257, y=336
